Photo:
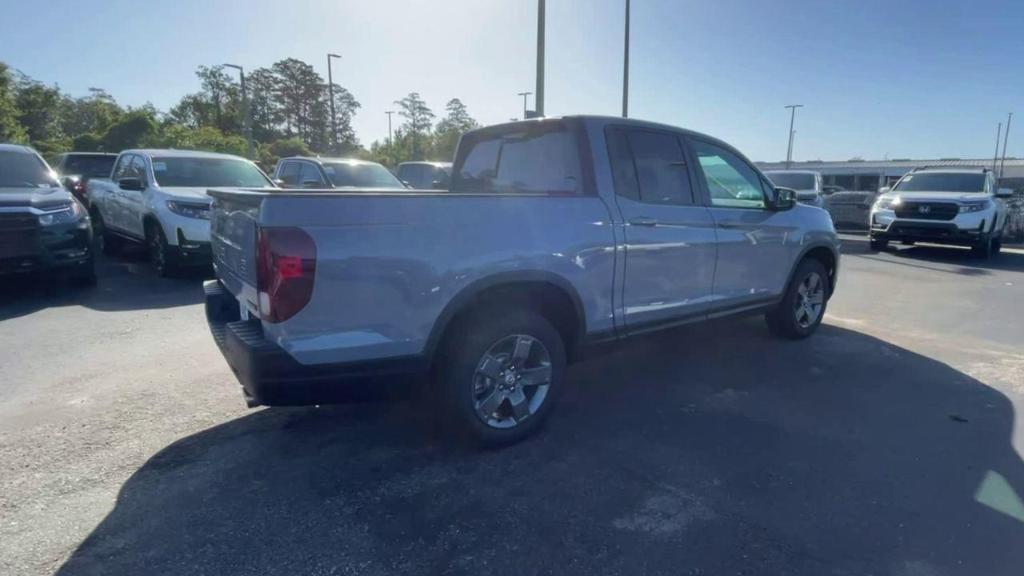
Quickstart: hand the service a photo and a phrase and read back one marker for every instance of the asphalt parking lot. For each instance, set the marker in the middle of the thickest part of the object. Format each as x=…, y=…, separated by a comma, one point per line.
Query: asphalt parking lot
x=886, y=444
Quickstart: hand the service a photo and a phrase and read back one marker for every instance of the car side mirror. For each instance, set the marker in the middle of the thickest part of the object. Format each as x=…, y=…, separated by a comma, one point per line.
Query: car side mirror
x=135, y=184
x=884, y=190
x=406, y=184
x=279, y=183
x=783, y=199
x=1004, y=193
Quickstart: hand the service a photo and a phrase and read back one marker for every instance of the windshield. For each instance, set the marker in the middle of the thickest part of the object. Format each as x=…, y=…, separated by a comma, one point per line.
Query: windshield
x=793, y=180
x=91, y=166
x=24, y=170
x=941, y=182
x=207, y=173
x=360, y=175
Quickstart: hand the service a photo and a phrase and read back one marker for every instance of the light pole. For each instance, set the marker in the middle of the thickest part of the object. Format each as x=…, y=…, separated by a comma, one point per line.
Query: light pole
x=995, y=157
x=1006, y=136
x=330, y=89
x=625, y=69
x=538, y=99
x=792, y=117
x=524, y=95
x=390, y=142
x=246, y=121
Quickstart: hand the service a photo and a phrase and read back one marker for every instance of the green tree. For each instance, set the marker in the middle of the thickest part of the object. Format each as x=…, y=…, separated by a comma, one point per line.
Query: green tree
x=448, y=131
x=264, y=109
x=87, y=143
x=269, y=154
x=38, y=107
x=418, y=121
x=11, y=129
x=345, y=106
x=217, y=104
x=136, y=128
x=89, y=114
x=203, y=138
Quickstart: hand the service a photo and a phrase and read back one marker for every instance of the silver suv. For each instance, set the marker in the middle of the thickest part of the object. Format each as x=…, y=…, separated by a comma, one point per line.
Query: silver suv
x=959, y=206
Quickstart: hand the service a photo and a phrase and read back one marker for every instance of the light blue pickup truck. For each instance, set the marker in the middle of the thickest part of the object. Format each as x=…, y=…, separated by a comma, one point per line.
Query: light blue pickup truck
x=555, y=234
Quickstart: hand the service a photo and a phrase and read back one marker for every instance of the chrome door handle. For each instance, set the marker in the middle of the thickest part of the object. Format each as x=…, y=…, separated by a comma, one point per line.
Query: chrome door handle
x=730, y=225
x=643, y=221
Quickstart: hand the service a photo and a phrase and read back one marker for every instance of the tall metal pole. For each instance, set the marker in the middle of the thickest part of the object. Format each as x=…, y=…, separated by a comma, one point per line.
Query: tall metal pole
x=246, y=120
x=1006, y=136
x=389, y=113
x=995, y=157
x=625, y=69
x=538, y=99
x=524, y=95
x=792, y=117
x=330, y=89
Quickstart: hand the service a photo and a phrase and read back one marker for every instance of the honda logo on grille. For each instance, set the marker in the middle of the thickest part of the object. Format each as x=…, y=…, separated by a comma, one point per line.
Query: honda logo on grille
x=924, y=209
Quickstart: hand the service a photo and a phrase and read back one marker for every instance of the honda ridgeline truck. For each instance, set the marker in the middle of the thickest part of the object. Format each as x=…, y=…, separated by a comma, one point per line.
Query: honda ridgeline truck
x=555, y=234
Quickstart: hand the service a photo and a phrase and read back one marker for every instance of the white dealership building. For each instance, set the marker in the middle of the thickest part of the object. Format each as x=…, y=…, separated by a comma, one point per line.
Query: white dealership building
x=870, y=175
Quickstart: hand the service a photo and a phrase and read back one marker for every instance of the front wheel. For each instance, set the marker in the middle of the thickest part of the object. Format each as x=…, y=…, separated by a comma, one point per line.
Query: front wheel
x=161, y=254
x=802, y=307
x=103, y=240
x=983, y=248
x=878, y=244
x=501, y=374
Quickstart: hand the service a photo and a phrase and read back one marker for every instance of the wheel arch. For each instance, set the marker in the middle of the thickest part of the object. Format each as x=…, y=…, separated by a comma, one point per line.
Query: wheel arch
x=822, y=252
x=556, y=298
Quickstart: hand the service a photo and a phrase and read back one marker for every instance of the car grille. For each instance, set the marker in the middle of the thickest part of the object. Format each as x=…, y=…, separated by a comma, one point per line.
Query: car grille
x=17, y=221
x=927, y=210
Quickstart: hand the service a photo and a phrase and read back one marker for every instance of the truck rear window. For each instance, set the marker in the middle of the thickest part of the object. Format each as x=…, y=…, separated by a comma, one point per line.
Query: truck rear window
x=529, y=158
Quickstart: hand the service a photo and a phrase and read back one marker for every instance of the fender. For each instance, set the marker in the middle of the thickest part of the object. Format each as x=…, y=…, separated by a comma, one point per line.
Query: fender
x=803, y=254
x=469, y=292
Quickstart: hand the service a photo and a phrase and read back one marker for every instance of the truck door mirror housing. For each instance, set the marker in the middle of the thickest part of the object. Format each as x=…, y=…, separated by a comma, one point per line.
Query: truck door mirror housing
x=135, y=184
x=884, y=190
x=783, y=199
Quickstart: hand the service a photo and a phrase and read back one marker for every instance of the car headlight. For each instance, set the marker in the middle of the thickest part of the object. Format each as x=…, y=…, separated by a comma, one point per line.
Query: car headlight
x=884, y=203
x=975, y=206
x=189, y=210
x=66, y=215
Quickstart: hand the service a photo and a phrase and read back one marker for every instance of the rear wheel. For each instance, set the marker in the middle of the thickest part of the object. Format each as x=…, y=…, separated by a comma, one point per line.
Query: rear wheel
x=500, y=375
x=803, y=306
x=878, y=244
x=161, y=254
x=105, y=241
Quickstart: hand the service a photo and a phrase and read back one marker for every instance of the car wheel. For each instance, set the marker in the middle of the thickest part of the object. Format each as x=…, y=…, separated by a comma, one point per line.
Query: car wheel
x=878, y=244
x=983, y=248
x=104, y=241
x=802, y=307
x=997, y=246
x=500, y=375
x=161, y=254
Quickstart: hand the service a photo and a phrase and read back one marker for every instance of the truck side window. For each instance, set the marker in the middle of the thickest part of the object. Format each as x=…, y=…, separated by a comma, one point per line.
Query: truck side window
x=731, y=182
x=542, y=158
x=310, y=172
x=289, y=174
x=122, y=165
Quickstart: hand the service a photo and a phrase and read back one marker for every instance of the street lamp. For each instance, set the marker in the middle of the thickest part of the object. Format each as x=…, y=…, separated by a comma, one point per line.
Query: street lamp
x=330, y=90
x=390, y=142
x=1006, y=137
x=538, y=100
x=524, y=95
x=246, y=121
x=625, y=68
x=792, y=116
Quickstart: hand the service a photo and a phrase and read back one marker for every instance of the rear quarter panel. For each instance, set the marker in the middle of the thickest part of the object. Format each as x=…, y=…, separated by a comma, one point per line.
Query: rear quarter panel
x=388, y=264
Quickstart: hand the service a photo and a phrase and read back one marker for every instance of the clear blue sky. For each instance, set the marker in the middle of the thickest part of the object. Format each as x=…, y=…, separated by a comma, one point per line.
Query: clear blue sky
x=920, y=78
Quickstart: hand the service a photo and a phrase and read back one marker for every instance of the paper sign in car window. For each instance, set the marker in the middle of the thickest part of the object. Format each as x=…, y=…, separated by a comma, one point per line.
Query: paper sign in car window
x=159, y=166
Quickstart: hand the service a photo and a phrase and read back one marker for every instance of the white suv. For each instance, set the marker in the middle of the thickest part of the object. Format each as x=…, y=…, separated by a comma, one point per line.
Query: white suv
x=958, y=206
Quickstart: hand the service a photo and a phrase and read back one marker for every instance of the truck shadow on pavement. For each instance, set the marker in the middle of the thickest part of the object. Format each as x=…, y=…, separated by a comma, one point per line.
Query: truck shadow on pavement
x=953, y=259
x=125, y=282
x=715, y=449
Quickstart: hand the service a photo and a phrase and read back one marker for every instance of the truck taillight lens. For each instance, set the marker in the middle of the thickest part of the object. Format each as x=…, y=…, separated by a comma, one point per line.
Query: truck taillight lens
x=285, y=270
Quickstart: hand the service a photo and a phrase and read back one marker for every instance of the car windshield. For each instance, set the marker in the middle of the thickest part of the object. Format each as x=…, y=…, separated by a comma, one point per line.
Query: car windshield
x=184, y=171
x=23, y=170
x=794, y=180
x=941, y=182
x=360, y=175
x=91, y=166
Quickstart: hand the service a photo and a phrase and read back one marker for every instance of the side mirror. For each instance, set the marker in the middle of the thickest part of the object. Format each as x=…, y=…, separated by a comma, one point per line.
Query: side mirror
x=884, y=190
x=135, y=184
x=279, y=183
x=406, y=184
x=311, y=184
x=783, y=199
x=1004, y=193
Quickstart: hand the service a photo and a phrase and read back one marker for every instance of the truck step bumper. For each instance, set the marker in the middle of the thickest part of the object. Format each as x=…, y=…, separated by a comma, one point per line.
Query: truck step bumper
x=271, y=377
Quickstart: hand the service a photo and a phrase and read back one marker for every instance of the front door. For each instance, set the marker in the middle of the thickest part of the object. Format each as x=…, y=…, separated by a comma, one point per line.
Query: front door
x=753, y=259
x=670, y=237
x=132, y=201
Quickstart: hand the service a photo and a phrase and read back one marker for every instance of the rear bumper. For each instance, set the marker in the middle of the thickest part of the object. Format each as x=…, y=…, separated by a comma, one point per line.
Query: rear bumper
x=46, y=249
x=272, y=377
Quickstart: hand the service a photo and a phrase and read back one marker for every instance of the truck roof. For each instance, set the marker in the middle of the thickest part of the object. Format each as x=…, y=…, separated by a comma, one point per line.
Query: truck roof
x=16, y=148
x=322, y=159
x=172, y=153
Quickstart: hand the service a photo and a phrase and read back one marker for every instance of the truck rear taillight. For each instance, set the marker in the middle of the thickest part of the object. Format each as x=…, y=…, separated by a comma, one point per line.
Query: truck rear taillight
x=285, y=270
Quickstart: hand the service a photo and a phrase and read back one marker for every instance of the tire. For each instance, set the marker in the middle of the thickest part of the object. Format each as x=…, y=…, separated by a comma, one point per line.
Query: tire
x=105, y=242
x=983, y=249
x=490, y=362
x=85, y=275
x=997, y=246
x=797, y=316
x=878, y=244
x=161, y=255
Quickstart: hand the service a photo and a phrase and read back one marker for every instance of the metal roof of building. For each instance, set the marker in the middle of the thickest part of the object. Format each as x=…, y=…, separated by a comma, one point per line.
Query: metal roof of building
x=895, y=163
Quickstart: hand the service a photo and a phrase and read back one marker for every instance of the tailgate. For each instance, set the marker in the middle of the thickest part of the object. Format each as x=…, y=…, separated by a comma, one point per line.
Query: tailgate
x=233, y=218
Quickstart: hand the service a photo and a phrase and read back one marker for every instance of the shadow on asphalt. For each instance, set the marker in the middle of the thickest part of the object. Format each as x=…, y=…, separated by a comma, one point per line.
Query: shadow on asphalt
x=923, y=255
x=125, y=282
x=710, y=450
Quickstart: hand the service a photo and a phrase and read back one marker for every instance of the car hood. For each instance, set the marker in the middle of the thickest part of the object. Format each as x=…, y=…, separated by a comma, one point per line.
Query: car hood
x=192, y=194
x=41, y=198
x=938, y=196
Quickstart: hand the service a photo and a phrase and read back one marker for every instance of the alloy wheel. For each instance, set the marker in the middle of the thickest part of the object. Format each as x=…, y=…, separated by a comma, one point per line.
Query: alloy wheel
x=810, y=298
x=511, y=381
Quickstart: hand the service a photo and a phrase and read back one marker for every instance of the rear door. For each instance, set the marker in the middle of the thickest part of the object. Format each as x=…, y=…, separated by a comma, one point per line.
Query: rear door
x=133, y=201
x=670, y=236
x=111, y=207
x=753, y=260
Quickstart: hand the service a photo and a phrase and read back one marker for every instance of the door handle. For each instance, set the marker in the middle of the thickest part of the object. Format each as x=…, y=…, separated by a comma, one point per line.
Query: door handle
x=643, y=221
x=730, y=225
